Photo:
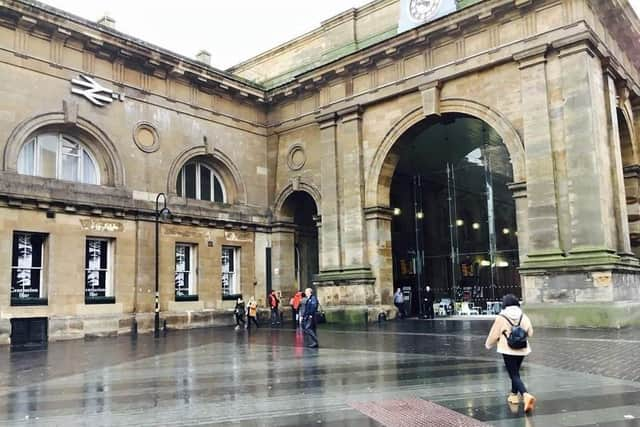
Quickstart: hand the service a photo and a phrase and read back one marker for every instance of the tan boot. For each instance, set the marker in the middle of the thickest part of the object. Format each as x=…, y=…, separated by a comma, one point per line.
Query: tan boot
x=529, y=402
x=513, y=399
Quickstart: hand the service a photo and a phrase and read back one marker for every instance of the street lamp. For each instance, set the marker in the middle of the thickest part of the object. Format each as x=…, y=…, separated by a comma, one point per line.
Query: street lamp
x=163, y=213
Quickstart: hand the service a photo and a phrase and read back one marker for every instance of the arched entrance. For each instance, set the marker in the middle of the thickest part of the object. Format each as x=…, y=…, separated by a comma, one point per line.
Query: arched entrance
x=631, y=178
x=295, y=243
x=454, y=217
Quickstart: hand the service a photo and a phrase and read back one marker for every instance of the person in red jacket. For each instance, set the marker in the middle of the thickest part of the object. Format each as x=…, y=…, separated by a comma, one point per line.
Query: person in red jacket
x=295, y=308
x=274, y=303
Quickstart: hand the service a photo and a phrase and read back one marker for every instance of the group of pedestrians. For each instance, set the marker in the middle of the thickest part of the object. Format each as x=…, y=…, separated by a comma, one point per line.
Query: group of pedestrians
x=304, y=308
x=428, y=300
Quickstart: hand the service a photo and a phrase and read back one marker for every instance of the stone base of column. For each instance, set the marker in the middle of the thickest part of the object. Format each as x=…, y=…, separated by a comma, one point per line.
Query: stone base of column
x=359, y=315
x=584, y=315
x=346, y=286
x=579, y=258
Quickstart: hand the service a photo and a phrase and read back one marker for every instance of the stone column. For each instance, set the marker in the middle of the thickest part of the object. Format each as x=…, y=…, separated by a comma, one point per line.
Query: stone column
x=352, y=227
x=593, y=229
x=330, y=257
x=282, y=258
x=544, y=238
x=380, y=251
x=623, y=243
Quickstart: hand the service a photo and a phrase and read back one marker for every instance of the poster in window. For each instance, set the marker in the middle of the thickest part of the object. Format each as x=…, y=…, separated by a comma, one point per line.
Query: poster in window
x=182, y=268
x=96, y=268
x=27, y=264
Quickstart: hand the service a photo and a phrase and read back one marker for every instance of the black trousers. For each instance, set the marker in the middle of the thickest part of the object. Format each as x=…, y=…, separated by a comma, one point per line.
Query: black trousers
x=428, y=310
x=309, y=326
x=275, y=316
x=251, y=319
x=239, y=319
x=513, y=364
x=294, y=314
x=400, y=306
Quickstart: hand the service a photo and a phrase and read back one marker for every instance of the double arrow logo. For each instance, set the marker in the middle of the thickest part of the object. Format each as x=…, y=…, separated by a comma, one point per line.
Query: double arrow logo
x=95, y=93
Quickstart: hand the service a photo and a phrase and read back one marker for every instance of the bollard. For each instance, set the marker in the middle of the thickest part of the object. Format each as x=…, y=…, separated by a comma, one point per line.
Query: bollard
x=382, y=317
x=164, y=326
x=134, y=328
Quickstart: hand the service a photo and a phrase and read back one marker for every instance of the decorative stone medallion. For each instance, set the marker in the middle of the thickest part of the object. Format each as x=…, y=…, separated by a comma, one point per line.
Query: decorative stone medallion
x=422, y=10
x=146, y=137
x=296, y=157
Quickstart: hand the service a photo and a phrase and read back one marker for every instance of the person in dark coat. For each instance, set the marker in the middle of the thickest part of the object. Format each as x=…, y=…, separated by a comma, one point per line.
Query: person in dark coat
x=429, y=299
x=309, y=325
x=274, y=304
x=239, y=313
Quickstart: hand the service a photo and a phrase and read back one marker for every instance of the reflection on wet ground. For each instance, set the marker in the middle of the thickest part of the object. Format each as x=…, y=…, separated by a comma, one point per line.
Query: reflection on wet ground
x=226, y=377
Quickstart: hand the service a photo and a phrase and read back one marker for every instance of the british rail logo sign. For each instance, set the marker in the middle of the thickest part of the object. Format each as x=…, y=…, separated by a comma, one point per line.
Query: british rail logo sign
x=92, y=90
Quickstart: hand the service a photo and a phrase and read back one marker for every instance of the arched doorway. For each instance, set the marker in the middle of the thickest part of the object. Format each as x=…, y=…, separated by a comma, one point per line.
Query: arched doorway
x=454, y=217
x=631, y=175
x=299, y=210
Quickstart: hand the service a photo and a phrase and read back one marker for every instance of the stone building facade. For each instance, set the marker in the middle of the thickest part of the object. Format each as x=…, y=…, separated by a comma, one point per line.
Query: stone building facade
x=278, y=171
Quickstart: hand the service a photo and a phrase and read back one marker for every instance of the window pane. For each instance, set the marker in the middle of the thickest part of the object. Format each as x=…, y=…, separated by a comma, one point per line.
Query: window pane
x=96, y=283
x=217, y=188
x=26, y=260
x=48, y=155
x=70, y=166
x=179, y=184
x=70, y=148
x=190, y=181
x=26, y=160
x=205, y=183
x=89, y=169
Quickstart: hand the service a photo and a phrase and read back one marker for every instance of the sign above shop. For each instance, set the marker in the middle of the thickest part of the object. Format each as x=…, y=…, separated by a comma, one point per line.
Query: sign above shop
x=93, y=91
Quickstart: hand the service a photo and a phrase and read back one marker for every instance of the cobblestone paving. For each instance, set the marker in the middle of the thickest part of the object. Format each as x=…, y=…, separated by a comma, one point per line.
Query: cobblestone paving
x=228, y=378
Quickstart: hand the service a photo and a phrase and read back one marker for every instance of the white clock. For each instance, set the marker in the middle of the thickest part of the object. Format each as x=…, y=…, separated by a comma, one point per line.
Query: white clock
x=422, y=10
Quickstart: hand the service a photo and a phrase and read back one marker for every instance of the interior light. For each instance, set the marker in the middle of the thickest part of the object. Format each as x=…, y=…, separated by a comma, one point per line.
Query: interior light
x=419, y=215
x=475, y=226
x=459, y=222
x=485, y=263
x=503, y=264
x=506, y=231
x=397, y=211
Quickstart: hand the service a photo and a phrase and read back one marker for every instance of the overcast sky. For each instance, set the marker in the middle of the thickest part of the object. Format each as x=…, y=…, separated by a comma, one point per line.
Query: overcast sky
x=232, y=30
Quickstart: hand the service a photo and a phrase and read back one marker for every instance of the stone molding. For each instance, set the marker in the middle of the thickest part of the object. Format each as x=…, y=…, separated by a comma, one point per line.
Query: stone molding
x=302, y=185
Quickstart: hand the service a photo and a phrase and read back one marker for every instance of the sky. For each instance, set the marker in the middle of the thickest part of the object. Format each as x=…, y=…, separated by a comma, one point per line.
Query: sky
x=232, y=31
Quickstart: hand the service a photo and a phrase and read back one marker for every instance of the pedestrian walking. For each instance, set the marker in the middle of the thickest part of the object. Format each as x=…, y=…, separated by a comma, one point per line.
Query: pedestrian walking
x=274, y=303
x=310, y=309
x=303, y=304
x=295, y=307
x=429, y=299
x=398, y=300
x=252, y=313
x=238, y=312
x=511, y=332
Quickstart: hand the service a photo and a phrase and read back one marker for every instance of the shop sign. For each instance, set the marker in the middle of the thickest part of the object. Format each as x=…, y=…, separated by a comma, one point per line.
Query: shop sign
x=238, y=236
x=93, y=91
x=99, y=225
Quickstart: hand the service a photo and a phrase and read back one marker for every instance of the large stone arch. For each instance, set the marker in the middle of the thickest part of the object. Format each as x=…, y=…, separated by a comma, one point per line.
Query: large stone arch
x=227, y=170
x=289, y=189
x=95, y=139
x=626, y=112
x=384, y=162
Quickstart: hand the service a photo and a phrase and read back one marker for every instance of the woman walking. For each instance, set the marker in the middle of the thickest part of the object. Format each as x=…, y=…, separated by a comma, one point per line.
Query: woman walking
x=252, y=313
x=511, y=331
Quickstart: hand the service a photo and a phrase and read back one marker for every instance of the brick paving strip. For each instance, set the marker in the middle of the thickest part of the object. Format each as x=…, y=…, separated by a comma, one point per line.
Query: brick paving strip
x=414, y=413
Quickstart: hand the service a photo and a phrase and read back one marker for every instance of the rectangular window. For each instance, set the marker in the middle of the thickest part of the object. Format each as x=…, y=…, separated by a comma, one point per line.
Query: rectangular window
x=230, y=282
x=98, y=282
x=185, y=275
x=27, y=261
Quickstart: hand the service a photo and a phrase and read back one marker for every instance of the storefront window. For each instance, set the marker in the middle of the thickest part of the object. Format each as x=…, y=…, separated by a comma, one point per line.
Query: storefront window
x=185, y=272
x=27, y=278
x=98, y=271
x=229, y=276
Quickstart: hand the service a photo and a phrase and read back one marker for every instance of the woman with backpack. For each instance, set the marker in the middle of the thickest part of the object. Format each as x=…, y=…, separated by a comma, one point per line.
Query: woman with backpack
x=511, y=331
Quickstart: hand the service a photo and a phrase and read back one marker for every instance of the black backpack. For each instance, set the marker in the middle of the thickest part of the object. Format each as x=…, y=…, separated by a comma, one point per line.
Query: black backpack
x=517, y=339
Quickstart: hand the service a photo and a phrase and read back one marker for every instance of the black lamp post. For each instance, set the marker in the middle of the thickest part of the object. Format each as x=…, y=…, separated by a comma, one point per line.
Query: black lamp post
x=163, y=213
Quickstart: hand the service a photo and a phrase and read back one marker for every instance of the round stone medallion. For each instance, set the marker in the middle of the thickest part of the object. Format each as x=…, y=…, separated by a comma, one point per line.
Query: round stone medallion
x=296, y=157
x=146, y=137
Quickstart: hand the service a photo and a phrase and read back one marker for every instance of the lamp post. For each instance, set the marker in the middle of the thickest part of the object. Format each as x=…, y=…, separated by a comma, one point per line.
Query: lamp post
x=164, y=213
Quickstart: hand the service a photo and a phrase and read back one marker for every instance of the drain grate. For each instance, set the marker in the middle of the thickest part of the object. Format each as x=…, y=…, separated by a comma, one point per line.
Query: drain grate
x=414, y=413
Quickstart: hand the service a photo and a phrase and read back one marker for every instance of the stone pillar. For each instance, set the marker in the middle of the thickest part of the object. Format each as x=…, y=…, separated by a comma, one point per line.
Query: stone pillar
x=330, y=257
x=544, y=238
x=380, y=251
x=282, y=258
x=589, y=178
x=623, y=244
x=352, y=227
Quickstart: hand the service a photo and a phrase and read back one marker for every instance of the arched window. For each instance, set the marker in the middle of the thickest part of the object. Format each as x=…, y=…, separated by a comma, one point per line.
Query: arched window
x=55, y=155
x=198, y=181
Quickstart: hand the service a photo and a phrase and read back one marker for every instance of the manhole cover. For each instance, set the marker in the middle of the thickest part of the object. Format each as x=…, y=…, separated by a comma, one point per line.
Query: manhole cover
x=414, y=413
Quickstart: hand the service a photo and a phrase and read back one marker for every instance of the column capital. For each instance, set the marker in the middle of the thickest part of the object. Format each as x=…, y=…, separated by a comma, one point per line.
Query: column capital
x=583, y=42
x=351, y=113
x=384, y=213
x=531, y=57
x=326, y=120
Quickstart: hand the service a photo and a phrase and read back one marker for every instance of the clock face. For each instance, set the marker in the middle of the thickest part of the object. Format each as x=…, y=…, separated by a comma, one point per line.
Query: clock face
x=421, y=10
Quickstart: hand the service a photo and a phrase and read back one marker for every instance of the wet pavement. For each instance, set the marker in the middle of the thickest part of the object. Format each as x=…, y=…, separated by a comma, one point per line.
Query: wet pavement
x=412, y=372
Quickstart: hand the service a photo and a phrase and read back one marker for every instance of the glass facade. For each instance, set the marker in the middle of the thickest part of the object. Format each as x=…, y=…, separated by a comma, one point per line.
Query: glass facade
x=455, y=230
